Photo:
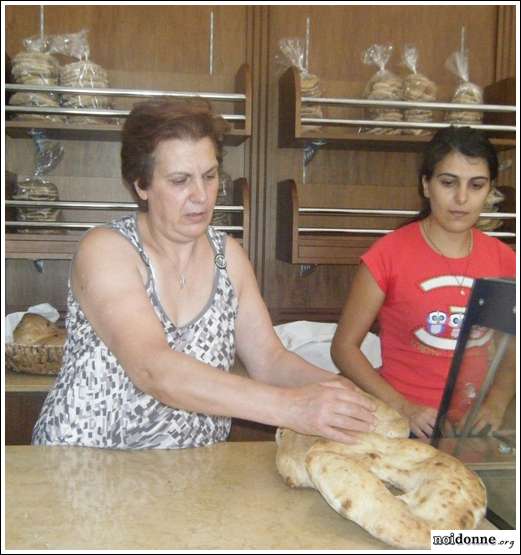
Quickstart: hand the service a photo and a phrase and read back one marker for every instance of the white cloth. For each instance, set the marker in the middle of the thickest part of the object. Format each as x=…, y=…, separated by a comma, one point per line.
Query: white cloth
x=312, y=341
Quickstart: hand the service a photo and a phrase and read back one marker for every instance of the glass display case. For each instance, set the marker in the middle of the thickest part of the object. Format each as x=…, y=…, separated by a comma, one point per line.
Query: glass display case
x=477, y=417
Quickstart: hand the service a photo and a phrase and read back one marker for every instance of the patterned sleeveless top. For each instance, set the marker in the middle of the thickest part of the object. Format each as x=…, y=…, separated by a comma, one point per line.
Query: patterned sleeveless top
x=95, y=404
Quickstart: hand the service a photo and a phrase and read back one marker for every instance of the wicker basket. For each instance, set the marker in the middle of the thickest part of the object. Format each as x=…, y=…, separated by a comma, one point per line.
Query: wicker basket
x=34, y=359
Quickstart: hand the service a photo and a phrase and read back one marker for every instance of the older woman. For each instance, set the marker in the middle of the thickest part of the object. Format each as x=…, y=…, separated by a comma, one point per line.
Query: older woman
x=158, y=304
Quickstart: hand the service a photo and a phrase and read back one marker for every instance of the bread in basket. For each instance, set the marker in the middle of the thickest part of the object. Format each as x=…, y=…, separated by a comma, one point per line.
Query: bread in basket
x=37, y=346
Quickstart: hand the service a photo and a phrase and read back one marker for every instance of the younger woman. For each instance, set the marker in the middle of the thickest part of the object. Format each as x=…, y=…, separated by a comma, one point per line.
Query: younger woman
x=417, y=282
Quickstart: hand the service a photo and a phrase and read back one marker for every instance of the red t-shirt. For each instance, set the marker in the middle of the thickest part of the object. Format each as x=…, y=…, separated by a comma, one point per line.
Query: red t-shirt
x=425, y=299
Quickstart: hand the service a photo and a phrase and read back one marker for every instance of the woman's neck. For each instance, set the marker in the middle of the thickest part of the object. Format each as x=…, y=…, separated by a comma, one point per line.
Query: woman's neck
x=179, y=252
x=446, y=243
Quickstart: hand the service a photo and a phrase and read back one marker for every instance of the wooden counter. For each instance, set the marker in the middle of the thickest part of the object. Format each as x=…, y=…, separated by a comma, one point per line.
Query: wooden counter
x=227, y=496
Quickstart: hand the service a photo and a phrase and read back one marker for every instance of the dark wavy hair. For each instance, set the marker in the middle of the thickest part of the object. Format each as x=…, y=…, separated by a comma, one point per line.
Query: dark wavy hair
x=152, y=122
x=465, y=140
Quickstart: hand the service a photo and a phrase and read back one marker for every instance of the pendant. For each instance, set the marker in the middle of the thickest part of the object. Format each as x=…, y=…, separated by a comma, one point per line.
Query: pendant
x=462, y=292
x=182, y=282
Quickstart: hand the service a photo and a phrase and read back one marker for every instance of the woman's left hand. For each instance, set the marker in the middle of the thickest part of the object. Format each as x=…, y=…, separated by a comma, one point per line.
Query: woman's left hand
x=489, y=418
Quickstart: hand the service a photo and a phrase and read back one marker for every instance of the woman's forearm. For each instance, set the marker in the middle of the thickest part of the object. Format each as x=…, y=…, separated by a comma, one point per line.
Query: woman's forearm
x=183, y=382
x=331, y=408
x=504, y=386
x=287, y=369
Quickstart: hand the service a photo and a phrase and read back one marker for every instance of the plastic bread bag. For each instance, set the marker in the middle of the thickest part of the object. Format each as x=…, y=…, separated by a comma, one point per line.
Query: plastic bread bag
x=466, y=92
x=383, y=85
x=82, y=73
x=35, y=65
x=492, y=202
x=416, y=88
x=292, y=54
x=48, y=155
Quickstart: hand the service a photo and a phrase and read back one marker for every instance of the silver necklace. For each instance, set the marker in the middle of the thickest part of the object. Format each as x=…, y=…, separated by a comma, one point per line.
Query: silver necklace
x=468, y=250
x=181, y=276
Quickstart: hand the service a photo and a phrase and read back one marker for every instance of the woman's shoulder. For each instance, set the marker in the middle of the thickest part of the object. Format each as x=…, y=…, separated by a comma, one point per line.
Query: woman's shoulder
x=103, y=242
x=401, y=236
x=488, y=240
x=489, y=245
x=99, y=236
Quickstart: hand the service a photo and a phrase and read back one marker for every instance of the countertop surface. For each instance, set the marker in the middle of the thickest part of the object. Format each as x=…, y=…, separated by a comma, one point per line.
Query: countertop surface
x=227, y=496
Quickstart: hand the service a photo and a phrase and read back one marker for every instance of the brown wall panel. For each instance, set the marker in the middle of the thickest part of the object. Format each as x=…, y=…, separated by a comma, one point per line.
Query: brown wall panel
x=339, y=35
x=142, y=38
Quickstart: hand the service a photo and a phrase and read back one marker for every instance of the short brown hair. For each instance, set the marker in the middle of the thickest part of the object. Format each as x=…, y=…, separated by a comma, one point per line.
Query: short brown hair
x=152, y=122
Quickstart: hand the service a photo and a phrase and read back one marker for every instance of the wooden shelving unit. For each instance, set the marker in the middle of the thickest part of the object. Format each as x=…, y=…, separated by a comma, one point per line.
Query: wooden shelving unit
x=239, y=131
x=62, y=240
x=309, y=230
x=294, y=133
x=314, y=225
x=62, y=243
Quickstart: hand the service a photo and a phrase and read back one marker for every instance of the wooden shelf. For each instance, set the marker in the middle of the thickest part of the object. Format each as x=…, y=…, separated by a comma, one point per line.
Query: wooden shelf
x=63, y=245
x=293, y=134
x=238, y=133
x=41, y=246
x=308, y=237
x=297, y=247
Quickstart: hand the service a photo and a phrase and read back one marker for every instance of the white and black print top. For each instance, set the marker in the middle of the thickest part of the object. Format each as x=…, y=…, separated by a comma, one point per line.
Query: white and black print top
x=94, y=403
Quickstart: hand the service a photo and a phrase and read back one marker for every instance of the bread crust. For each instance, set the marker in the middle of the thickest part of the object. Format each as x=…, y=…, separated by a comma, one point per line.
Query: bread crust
x=34, y=329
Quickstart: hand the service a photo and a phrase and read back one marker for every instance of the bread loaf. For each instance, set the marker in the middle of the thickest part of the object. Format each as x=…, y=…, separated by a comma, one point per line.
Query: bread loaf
x=34, y=329
x=437, y=490
x=293, y=447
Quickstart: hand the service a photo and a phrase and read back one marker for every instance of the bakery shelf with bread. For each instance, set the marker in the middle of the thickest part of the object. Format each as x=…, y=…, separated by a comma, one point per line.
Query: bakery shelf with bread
x=318, y=224
x=239, y=120
x=63, y=245
x=295, y=129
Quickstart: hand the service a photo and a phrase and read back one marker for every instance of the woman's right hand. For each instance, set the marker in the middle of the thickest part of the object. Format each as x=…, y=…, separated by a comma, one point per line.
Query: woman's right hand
x=422, y=419
x=333, y=409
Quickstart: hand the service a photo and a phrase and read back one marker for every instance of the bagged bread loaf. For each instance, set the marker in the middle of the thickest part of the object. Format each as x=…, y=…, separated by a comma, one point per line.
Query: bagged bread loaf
x=466, y=92
x=31, y=67
x=416, y=88
x=492, y=202
x=48, y=154
x=384, y=85
x=292, y=54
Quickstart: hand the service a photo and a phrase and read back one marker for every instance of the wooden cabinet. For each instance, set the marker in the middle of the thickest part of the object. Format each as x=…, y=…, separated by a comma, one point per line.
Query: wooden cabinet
x=90, y=189
x=335, y=37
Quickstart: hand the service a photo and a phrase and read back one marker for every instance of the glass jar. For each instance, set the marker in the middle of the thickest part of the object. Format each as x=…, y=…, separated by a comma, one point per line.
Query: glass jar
x=35, y=188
